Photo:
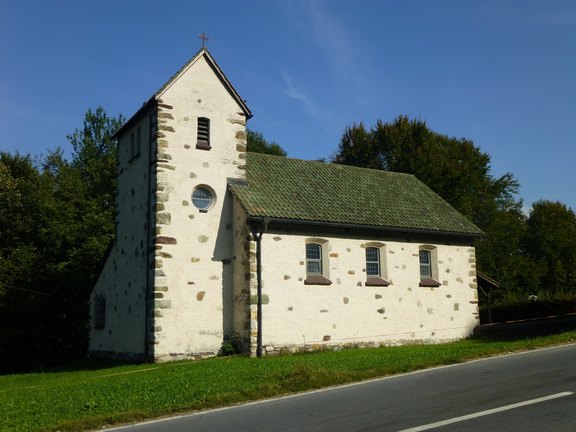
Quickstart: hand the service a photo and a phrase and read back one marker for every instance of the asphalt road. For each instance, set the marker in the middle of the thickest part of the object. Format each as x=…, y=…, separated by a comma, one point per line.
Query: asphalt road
x=534, y=391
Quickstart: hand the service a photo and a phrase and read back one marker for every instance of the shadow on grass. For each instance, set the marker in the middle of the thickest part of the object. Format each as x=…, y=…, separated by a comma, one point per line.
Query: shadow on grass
x=88, y=364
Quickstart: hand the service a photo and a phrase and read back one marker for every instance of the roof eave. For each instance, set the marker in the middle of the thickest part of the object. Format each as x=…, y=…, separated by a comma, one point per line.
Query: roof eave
x=217, y=70
x=286, y=221
x=145, y=107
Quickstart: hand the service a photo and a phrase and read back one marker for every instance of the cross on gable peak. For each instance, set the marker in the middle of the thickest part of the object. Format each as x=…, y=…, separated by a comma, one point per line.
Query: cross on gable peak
x=204, y=39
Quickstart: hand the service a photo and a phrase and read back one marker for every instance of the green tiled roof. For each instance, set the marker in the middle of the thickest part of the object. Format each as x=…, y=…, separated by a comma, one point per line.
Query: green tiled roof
x=284, y=188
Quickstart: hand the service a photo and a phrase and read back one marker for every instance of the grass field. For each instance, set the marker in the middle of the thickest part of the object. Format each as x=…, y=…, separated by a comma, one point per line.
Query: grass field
x=97, y=394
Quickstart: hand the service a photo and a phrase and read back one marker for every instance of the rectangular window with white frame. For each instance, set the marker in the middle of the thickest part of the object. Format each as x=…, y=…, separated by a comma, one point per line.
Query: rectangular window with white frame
x=376, y=265
x=428, y=266
x=317, y=262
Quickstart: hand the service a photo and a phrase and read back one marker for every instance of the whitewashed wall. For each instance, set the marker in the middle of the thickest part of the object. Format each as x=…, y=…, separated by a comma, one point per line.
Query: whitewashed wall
x=194, y=250
x=347, y=312
x=122, y=282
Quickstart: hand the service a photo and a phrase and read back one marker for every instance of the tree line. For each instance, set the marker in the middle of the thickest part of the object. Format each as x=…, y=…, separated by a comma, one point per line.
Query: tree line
x=530, y=254
x=57, y=221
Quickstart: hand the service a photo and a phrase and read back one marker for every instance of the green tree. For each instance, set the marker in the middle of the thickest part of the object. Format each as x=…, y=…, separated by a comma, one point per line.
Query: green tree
x=57, y=221
x=256, y=143
x=551, y=242
x=459, y=172
x=94, y=154
x=454, y=168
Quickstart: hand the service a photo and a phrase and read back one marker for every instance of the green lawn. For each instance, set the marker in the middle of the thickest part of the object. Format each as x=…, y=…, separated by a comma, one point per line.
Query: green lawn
x=85, y=399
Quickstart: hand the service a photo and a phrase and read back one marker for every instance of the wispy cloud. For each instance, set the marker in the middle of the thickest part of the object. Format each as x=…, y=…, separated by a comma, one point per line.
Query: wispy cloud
x=555, y=18
x=292, y=92
x=331, y=35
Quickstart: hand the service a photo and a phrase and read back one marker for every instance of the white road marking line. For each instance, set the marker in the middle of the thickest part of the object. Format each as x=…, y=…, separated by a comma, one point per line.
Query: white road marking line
x=487, y=412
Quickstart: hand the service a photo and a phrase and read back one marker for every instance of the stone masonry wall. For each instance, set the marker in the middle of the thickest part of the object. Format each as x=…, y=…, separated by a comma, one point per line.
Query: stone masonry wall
x=193, y=287
x=348, y=312
x=122, y=281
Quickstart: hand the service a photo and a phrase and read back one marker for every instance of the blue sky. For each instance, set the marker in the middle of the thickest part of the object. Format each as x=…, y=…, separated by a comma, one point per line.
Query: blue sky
x=501, y=73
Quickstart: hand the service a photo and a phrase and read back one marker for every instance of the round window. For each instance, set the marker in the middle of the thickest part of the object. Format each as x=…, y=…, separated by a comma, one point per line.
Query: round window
x=202, y=198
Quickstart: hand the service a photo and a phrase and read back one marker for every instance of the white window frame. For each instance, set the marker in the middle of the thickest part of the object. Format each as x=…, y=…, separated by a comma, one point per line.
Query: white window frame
x=198, y=200
x=374, y=262
x=382, y=278
x=316, y=261
x=322, y=278
x=428, y=280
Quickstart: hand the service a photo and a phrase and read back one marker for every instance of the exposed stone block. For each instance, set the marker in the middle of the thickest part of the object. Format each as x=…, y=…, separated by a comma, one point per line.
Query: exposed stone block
x=237, y=121
x=166, y=240
x=381, y=310
x=162, y=304
x=163, y=218
x=162, y=197
x=164, y=128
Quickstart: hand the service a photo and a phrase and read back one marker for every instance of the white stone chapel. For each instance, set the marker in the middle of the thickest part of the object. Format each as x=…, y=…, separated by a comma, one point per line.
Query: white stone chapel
x=214, y=243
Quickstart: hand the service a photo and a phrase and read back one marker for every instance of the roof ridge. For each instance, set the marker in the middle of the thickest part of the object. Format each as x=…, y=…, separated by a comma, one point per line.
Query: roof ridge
x=332, y=164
